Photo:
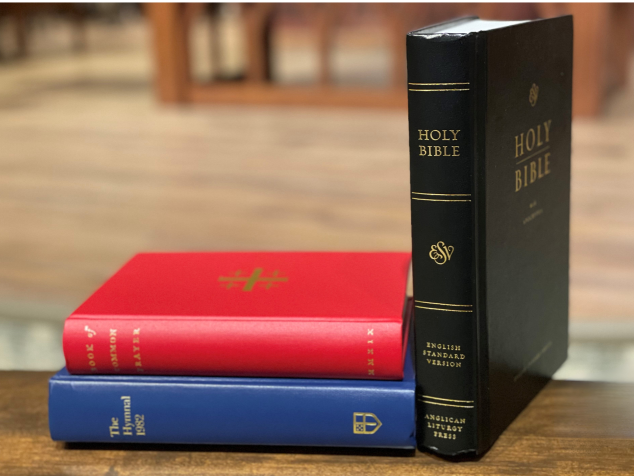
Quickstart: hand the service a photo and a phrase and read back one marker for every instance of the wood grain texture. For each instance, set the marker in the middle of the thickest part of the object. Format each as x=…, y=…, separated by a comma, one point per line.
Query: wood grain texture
x=571, y=428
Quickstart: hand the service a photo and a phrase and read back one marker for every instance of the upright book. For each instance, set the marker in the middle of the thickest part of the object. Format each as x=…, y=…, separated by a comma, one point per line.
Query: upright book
x=489, y=118
x=321, y=315
x=227, y=410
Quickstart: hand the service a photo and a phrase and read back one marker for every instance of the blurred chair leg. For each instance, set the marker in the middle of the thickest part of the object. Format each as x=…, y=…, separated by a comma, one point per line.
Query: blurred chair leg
x=215, y=40
x=258, y=37
x=171, y=51
x=397, y=30
x=324, y=18
x=591, y=24
x=79, y=32
x=21, y=34
x=622, y=37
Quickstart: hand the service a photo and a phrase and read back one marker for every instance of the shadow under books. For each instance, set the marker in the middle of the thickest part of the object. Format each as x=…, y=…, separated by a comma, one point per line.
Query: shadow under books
x=308, y=450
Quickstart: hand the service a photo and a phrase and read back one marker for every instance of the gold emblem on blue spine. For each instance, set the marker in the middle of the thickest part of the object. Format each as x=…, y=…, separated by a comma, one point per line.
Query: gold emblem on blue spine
x=365, y=423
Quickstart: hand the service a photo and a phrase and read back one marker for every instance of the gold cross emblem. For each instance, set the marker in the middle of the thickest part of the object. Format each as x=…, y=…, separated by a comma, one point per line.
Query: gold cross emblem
x=365, y=423
x=250, y=281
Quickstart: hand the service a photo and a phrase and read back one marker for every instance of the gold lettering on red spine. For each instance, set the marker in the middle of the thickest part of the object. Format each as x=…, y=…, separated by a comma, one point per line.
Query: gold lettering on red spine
x=114, y=360
x=90, y=354
x=89, y=332
x=370, y=344
x=90, y=349
x=136, y=349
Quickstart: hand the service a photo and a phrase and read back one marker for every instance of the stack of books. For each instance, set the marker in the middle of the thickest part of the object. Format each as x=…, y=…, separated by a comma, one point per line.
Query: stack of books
x=314, y=348
x=242, y=348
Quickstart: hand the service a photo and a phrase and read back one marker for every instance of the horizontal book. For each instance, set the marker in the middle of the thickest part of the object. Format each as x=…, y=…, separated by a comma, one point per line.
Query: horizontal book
x=240, y=411
x=489, y=117
x=309, y=315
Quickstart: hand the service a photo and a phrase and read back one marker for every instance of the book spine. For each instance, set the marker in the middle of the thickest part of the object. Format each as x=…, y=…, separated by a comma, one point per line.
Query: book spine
x=255, y=413
x=442, y=89
x=261, y=348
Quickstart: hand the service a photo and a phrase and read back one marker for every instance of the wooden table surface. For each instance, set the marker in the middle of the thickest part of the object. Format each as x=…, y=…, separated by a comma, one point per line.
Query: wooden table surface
x=571, y=428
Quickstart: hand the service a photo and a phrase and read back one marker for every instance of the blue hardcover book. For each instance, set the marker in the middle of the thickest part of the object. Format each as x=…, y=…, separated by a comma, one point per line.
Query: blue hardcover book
x=234, y=411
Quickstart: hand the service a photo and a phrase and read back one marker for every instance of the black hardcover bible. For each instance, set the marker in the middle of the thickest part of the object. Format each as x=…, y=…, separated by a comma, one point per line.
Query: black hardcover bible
x=489, y=119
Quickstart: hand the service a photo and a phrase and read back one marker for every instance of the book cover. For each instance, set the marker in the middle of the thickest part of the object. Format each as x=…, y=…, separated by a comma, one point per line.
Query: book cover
x=489, y=118
x=287, y=314
x=240, y=411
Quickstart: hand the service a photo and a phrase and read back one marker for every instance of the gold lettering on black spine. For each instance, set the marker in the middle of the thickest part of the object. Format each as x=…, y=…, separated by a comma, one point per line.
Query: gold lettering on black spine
x=442, y=198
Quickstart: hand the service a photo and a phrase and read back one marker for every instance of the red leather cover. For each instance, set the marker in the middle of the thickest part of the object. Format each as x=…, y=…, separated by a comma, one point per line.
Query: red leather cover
x=290, y=314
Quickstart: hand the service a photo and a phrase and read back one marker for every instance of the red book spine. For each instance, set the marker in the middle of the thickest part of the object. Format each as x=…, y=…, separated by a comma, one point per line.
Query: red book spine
x=232, y=347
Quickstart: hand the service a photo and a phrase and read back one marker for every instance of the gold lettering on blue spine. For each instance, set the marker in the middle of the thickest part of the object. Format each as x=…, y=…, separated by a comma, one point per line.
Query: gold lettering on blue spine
x=127, y=416
x=128, y=426
x=114, y=427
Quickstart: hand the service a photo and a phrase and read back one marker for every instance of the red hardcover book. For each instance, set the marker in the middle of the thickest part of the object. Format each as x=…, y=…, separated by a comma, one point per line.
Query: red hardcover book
x=319, y=315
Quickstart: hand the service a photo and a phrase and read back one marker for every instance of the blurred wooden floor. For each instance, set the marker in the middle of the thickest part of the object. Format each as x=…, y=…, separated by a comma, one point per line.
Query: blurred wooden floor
x=94, y=170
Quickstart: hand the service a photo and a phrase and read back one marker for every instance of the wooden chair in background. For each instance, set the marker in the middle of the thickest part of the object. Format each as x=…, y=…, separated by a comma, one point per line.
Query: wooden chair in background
x=604, y=36
x=23, y=12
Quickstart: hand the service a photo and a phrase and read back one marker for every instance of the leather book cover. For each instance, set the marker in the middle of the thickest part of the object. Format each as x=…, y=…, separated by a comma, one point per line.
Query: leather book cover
x=277, y=314
x=490, y=116
x=234, y=411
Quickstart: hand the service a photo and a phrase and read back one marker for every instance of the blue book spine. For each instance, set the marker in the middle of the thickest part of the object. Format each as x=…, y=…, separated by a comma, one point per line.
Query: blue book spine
x=234, y=411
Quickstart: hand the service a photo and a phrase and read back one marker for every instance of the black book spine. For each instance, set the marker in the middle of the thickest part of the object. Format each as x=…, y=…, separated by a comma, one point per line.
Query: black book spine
x=442, y=139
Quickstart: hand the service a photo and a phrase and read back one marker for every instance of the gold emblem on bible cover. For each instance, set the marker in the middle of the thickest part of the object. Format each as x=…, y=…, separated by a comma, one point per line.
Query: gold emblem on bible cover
x=440, y=252
x=533, y=94
x=366, y=423
x=249, y=282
